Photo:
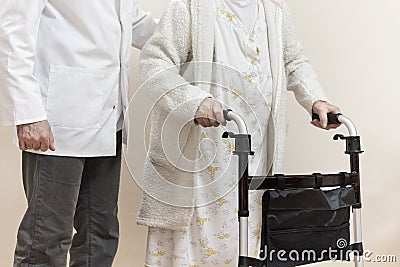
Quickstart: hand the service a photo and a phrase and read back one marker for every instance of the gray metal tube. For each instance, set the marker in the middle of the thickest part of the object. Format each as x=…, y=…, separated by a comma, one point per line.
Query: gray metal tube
x=241, y=124
x=244, y=236
x=358, y=260
x=349, y=124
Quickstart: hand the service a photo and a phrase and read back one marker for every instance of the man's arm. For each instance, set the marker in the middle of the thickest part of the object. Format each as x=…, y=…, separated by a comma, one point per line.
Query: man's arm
x=21, y=101
x=143, y=26
x=21, y=98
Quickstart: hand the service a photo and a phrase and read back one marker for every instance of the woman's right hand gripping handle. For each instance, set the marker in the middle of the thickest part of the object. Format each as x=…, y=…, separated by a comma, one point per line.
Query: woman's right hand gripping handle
x=210, y=113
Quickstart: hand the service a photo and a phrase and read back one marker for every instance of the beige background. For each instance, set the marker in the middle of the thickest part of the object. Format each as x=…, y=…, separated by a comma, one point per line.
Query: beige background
x=354, y=46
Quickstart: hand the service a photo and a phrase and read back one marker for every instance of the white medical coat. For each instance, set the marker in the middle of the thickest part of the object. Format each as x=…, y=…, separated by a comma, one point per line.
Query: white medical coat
x=68, y=62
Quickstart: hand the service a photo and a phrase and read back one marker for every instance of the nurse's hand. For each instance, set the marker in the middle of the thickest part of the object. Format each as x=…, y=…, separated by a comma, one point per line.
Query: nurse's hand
x=210, y=113
x=322, y=108
x=35, y=136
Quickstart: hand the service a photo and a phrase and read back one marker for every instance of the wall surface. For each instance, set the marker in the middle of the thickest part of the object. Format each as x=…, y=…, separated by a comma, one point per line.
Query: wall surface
x=354, y=45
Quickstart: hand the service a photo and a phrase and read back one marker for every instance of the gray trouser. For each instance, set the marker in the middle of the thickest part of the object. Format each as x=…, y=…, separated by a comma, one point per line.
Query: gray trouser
x=65, y=193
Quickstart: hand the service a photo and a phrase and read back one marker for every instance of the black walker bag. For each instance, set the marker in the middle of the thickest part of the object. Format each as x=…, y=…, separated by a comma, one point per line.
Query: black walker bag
x=302, y=226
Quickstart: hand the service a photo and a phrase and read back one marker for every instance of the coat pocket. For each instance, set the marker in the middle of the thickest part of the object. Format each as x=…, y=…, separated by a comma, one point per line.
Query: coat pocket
x=76, y=97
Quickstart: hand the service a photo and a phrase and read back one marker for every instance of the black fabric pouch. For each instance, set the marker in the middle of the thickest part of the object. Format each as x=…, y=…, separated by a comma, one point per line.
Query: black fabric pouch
x=303, y=226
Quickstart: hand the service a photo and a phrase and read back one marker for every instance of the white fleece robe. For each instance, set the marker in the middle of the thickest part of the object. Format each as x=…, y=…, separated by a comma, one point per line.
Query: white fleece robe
x=241, y=43
x=186, y=33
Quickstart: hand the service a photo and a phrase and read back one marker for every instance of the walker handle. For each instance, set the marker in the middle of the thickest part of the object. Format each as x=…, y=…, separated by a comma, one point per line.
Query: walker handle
x=229, y=115
x=226, y=111
x=332, y=118
x=339, y=119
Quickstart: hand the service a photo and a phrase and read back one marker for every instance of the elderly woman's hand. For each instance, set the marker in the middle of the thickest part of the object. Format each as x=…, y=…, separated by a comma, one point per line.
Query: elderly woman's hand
x=322, y=108
x=210, y=113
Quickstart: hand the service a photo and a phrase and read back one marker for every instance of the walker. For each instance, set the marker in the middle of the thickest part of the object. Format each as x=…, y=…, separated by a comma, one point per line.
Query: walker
x=302, y=224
